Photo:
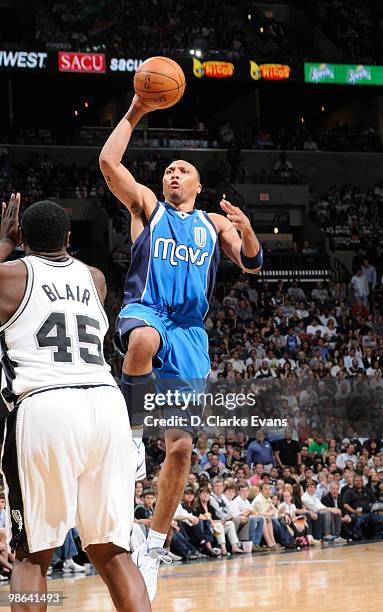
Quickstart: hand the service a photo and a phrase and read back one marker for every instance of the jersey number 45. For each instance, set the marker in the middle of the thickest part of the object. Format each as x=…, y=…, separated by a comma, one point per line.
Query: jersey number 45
x=53, y=334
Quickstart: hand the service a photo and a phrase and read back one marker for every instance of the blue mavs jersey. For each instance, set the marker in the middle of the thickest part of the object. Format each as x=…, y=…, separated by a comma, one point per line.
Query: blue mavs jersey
x=174, y=263
x=168, y=287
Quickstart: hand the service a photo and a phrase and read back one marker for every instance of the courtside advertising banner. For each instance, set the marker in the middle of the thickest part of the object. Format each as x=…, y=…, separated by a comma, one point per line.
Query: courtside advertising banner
x=90, y=63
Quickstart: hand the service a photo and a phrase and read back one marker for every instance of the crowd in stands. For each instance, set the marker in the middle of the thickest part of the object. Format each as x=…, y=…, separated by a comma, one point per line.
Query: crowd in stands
x=124, y=29
x=315, y=357
x=260, y=496
x=41, y=178
x=352, y=218
x=355, y=26
x=291, y=136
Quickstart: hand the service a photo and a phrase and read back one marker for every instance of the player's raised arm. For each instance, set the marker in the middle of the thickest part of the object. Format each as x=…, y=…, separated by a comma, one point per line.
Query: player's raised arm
x=136, y=197
x=243, y=249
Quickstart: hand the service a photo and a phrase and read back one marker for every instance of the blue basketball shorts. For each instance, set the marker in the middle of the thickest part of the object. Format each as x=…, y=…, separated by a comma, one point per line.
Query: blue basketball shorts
x=182, y=361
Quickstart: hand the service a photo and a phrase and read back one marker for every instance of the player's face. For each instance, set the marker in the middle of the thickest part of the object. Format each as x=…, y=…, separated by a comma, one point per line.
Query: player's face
x=180, y=183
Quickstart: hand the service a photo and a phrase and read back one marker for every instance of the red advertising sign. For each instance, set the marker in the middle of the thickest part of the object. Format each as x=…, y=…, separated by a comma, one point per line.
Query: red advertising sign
x=94, y=63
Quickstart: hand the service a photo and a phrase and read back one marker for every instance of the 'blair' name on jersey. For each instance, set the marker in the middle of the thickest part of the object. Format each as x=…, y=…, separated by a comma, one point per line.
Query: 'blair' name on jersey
x=68, y=292
x=167, y=248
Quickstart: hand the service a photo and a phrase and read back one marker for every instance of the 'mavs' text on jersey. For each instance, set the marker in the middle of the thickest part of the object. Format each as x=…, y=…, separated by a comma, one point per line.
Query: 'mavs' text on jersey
x=167, y=248
x=67, y=292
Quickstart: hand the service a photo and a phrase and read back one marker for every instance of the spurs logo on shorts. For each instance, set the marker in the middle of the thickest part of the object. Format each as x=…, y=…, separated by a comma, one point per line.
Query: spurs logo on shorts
x=16, y=515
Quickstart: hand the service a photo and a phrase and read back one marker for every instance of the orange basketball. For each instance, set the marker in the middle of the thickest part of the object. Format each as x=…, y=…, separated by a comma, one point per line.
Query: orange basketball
x=159, y=82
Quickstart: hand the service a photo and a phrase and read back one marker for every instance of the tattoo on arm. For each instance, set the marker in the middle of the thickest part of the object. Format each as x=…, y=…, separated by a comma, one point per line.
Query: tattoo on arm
x=109, y=181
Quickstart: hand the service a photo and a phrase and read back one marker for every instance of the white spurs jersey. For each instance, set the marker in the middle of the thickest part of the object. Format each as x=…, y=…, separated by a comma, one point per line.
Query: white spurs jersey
x=55, y=338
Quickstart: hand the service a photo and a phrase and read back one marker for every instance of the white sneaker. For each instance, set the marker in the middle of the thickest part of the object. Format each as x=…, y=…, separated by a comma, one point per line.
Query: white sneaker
x=4, y=577
x=340, y=540
x=139, y=453
x=49, y=570
x=174, y=557
x=70, y=566
x=148, y=562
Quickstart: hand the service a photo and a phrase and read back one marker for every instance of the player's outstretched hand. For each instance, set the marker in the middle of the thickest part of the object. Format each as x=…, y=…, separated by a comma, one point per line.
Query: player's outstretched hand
x=10, y=227
x=237, y=217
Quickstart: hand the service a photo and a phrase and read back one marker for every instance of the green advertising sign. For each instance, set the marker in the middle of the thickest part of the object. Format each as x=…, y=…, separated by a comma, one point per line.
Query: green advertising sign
x=343, y=74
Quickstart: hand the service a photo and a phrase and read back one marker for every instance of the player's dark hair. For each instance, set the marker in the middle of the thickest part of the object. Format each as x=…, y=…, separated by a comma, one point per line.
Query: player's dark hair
x=199, y=174
x=45, y=225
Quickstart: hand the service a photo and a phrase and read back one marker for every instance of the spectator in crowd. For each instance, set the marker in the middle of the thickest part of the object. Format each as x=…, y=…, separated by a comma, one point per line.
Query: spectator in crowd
x=275, y=532
x=287, y=451
x=333, y=500
x=139, y=489
x=369, y=272
x=318, y=446
x=222, y=508
x=348, y=456
x=320, y=293
x=359, y=286
x=143, y=512
x=215, y=469
x=206, y=512
x=330, y=517
x=358, y=502
x=296, y=524
x=197, y=530
x=260, y=451
x=252, y=528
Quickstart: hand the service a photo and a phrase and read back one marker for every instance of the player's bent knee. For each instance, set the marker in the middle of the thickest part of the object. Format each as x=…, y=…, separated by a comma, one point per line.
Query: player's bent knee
x=42, y=558
x=143, y=343
x=101, y=554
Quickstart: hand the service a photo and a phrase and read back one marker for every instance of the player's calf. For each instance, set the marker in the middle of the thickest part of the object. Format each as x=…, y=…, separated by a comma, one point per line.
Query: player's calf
x=121, y=576
x=29, y=576
x=173, y=478
x=136, y=381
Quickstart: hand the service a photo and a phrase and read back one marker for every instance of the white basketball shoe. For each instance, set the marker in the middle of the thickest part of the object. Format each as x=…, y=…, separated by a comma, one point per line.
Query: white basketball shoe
x=148, y=562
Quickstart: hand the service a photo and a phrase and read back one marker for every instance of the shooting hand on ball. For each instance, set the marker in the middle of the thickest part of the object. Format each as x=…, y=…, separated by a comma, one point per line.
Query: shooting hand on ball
x=140, y=106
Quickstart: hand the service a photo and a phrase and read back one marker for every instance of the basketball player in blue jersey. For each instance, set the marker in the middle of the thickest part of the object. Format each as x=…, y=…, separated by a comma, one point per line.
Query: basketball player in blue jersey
x=160, y=329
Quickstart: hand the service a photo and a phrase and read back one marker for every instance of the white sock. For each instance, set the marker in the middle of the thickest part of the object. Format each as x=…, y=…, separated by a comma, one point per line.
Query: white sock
x=155, y=539
x=137, y=435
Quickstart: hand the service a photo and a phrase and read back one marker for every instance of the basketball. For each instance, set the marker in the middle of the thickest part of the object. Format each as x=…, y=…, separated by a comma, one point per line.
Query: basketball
x=159, y=82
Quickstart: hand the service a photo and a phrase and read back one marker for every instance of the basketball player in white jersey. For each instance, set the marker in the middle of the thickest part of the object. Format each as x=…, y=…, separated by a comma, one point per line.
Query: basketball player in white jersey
x=67, y=455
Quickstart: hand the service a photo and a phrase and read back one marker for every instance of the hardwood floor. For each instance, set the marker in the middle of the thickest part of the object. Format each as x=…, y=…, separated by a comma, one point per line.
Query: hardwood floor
x=334, y=579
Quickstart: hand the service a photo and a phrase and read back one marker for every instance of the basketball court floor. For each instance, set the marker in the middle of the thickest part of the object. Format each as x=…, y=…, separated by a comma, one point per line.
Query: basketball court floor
x=333, y=579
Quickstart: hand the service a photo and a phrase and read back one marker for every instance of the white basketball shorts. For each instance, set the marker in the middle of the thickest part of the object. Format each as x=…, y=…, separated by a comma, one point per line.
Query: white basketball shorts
x=68, y=461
